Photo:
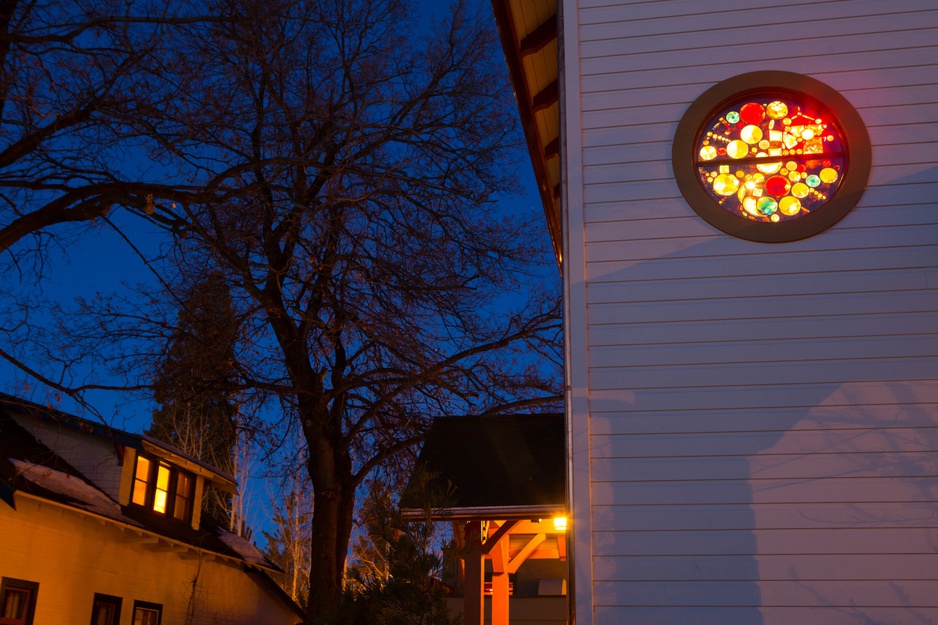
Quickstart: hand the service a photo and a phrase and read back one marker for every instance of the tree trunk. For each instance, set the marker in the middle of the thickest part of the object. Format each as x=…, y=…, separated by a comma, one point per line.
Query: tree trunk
x=333, y=506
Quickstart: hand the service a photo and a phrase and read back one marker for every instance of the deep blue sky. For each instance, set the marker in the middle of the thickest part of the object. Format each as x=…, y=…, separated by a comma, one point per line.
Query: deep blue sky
x=103, y=262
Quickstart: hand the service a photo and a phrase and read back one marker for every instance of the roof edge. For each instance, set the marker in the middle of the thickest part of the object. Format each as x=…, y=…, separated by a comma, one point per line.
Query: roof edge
x=485, y=513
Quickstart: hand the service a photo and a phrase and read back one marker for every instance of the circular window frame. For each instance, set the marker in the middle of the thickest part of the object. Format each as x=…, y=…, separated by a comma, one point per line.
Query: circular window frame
x=858, y=155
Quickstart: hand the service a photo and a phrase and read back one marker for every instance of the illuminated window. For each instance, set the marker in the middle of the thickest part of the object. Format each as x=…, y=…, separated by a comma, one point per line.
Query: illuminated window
x=146, y=613
x=141, y=479
x=163, y=488
x=17, y=601
x=771, y=156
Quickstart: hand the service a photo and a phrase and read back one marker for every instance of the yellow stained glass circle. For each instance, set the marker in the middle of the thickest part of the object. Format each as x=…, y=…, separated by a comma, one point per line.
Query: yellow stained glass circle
x=725, y=184
x=708, y=153
x=737, y=148
x=776, y=109
x=751, y=134
x=828, y=175
x=789, y=205
x=768, y=168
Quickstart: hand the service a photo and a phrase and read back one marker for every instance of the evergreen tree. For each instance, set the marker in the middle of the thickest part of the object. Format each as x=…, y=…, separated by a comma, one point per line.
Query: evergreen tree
x=395, y=578
x=194, y=384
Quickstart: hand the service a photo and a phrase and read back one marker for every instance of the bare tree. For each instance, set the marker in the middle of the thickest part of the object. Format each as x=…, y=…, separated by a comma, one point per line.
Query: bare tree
x=288, y=546
x=337, y=165
x=357, y=159
x=76, y=77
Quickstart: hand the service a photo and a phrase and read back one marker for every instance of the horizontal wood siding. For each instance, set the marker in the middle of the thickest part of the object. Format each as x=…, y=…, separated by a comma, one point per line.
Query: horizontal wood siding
x=72, y=556
x=763, y=417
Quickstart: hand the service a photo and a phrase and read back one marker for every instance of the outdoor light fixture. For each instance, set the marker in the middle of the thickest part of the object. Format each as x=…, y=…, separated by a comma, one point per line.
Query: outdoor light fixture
x=771, y=156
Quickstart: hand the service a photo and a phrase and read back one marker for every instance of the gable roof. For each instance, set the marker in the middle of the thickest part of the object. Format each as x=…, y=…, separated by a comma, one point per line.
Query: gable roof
x=510, y=466
x=139, y=442
x=29, y=467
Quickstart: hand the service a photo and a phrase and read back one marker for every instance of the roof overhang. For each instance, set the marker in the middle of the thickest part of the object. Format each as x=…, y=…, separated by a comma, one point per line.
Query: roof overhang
x=485, y=513
x=218, y=479
x=529, y=34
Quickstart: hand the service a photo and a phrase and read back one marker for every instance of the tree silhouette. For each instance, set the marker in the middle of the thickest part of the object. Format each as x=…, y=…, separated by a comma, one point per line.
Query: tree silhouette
x=195, y=384
x=336, y=163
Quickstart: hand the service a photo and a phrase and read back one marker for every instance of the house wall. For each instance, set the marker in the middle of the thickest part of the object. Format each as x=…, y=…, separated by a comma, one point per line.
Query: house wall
x=73, y=556
x=754, y=426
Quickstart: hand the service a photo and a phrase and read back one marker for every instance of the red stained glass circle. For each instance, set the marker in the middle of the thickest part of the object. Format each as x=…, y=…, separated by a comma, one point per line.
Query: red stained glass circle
x=777, y=186
x=752, y=113
x=796, y=140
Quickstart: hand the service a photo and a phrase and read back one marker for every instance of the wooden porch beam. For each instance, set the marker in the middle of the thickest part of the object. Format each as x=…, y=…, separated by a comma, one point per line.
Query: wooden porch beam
x=500, y=582
x=546, y=97
x=538, y=38
x=494, y=539
x=519, y=559
x=474, y=585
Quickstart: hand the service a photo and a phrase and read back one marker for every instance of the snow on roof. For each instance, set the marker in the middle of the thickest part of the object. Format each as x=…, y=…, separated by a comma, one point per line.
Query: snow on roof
x=244, y=548
x=82, y=494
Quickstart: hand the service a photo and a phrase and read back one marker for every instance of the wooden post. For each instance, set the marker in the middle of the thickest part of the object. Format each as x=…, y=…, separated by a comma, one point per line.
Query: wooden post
x=474, y=585
x=500, y=583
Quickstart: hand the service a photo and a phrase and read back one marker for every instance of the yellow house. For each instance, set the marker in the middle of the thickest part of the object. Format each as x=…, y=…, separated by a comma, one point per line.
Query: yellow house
x=103, y=526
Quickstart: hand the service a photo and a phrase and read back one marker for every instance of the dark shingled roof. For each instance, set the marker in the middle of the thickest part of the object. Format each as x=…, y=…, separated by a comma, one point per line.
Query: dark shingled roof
x=493, y=462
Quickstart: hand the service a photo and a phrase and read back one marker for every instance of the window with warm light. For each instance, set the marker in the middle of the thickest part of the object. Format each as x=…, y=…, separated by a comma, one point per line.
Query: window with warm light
x=163, y=488
x=771, y=156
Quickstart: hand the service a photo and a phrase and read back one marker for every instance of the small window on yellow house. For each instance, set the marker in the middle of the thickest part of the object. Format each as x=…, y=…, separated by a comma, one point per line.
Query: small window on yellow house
x=163, y=488
x=106, y=610
x=17, y=601
x=146, y=613
x=141, y=479
x=182, y=507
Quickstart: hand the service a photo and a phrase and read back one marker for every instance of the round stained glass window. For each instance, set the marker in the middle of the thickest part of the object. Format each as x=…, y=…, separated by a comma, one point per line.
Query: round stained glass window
x=771, y=156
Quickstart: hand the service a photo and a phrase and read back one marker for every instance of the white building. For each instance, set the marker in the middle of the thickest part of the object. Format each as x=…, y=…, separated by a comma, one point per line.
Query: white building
x=752, y=404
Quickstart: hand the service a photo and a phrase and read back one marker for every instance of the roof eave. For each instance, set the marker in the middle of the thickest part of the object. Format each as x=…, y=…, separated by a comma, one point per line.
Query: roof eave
x=510, y=39
x=483, y=513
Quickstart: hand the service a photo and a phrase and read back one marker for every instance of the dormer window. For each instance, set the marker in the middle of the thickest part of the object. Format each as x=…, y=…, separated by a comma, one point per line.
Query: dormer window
x=163, y=488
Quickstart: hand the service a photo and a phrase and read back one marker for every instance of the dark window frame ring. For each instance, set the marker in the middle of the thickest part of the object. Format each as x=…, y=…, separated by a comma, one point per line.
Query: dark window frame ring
x=788, y=85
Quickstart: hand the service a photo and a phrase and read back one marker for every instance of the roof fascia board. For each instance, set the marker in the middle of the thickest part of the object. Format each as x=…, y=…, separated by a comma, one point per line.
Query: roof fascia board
x=485, y=513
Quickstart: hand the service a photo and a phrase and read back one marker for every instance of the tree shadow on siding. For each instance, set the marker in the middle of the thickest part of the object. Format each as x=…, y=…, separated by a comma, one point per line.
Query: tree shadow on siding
x=687, y=492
